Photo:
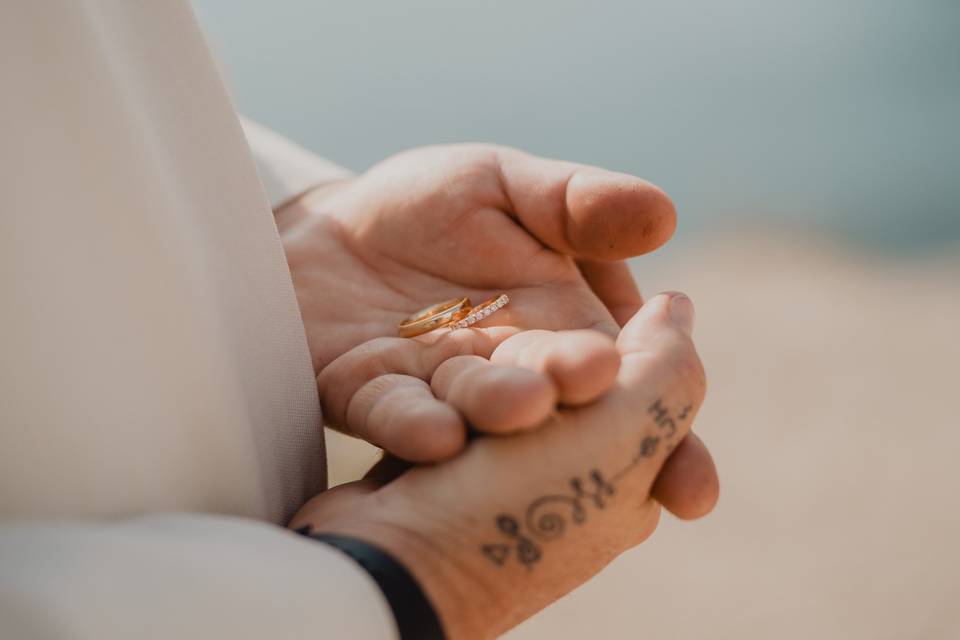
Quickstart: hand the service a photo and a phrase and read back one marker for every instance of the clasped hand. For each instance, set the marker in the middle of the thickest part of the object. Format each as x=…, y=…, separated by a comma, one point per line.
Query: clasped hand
x=583, y=415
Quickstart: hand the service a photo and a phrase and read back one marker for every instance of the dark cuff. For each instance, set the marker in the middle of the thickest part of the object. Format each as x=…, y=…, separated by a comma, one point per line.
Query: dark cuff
x=415, y=616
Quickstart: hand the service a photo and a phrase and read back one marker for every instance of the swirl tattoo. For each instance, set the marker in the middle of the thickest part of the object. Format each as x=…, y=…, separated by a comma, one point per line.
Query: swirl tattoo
x=548, y=517
x=548, y=525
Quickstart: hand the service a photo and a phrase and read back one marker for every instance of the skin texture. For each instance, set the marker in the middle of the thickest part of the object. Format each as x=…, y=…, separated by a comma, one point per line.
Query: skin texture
x=440, y=222
x=473, y=220
x=447, y=522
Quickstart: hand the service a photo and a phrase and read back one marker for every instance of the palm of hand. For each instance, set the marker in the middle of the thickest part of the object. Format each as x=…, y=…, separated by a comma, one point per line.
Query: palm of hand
x=443, y=222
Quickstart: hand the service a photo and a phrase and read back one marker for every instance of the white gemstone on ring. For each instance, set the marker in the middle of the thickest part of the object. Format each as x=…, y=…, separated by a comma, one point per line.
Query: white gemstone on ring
x=478, y=314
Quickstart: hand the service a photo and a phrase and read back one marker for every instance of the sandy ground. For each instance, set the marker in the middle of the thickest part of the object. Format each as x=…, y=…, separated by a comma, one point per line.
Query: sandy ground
x=833, y=417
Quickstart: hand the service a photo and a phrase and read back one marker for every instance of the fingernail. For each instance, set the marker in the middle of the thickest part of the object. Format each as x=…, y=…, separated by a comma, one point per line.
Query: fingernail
x=682, y=313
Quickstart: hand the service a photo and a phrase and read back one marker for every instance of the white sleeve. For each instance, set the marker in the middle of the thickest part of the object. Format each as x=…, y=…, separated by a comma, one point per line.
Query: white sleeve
x=181, y=576
x=287, y=169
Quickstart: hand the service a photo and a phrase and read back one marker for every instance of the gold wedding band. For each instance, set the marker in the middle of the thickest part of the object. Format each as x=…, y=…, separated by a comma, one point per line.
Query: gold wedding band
x=481, y=311
x=433, y=317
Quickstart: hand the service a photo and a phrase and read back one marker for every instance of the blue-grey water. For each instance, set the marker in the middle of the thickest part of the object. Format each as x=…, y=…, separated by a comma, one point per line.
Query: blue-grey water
x=841, y=114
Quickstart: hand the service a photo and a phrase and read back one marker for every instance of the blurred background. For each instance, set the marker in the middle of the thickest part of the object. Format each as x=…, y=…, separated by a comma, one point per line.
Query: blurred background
x=813, y=152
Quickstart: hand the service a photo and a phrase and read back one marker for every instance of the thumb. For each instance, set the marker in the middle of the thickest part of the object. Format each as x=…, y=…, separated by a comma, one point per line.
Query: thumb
x=583, y=211
x=343, y=499
x=662, y=330
x=333, y=503
x=687, y=483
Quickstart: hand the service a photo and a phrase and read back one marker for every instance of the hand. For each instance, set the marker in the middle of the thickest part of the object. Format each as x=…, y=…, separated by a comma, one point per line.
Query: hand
x=442, y=222
x=516, y=522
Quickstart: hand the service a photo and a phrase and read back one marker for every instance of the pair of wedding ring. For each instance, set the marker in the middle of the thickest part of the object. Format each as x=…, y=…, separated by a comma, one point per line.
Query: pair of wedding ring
x=457, y=313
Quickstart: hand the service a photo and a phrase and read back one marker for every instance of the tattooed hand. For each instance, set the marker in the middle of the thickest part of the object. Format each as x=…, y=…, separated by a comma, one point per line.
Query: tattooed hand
x=517, y=521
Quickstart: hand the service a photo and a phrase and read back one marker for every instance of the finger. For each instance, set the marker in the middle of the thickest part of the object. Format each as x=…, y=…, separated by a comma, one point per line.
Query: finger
x=494, y=398
x=400, y=414
x=613, y=283
x=688, y=485
x=664, y=321
x=661, y=385
x=582, y=364
x=584, y=211
x=658, y=337
x=339, y=381
x=332, y=504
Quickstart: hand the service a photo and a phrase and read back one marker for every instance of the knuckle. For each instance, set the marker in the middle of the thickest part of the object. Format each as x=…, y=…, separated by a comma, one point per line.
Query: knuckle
x=459, y=343
x=451, y=372
x=361, y=363
x=381, y=345
x=688, y=369
x=454, y=343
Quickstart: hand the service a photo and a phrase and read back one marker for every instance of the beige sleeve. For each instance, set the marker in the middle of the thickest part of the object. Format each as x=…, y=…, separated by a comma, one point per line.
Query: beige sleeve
x=181, y=576
x=287, y=169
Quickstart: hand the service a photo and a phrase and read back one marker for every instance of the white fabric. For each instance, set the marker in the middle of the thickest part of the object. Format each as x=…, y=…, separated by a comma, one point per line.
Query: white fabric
x=152, y=357
x=175, y=577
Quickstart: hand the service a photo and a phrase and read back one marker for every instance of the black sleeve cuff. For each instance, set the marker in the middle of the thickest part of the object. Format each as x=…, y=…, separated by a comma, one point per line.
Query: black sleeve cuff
x=415, y=616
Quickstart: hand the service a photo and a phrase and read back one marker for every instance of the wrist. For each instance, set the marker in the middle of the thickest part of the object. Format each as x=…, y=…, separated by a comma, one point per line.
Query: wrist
x=465, y=607
x=312, y=200
x=415, y=617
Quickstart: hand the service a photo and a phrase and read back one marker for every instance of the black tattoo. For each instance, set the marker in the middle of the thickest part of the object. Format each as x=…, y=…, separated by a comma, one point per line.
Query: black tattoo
x=658, y=411
x=545, y=515
x=662, y=417
x=527, y=550
x=648, y=446
x=546, y=518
